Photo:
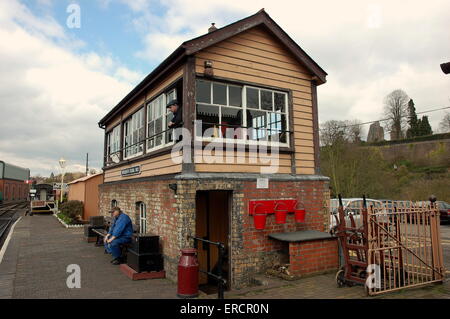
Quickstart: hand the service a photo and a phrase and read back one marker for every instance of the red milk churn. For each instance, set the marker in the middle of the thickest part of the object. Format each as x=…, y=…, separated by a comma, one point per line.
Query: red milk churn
x=188, y=274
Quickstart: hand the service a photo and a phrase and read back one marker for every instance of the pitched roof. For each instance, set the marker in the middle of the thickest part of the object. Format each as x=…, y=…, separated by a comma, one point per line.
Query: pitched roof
x=85, y=178
x=190, y=47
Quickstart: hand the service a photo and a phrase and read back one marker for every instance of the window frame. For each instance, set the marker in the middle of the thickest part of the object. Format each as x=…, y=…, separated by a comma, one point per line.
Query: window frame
x=142, y=220
x=125, y=123
x=244, y=109
x=108, y=142
x=164, y=114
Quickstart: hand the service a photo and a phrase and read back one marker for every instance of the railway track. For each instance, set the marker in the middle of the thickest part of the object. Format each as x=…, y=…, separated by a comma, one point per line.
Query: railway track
x=7, y=212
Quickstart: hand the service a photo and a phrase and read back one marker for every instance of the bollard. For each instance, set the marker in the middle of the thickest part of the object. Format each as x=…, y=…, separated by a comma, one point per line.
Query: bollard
x=188, y=274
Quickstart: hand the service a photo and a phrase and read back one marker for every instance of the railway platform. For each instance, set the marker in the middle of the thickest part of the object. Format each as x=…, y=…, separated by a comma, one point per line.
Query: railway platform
x=40, y=249
x=36, y=259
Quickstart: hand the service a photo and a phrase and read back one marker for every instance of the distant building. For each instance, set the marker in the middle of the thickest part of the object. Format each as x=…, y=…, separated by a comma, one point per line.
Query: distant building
x=85, y=189
x=12, y=182
x=376, y=133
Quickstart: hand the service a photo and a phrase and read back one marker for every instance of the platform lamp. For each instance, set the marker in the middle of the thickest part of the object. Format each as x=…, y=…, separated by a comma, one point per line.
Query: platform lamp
x=62, y=163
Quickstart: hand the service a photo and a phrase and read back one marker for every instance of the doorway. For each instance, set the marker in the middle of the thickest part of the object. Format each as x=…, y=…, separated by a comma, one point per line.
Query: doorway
x=213, y=223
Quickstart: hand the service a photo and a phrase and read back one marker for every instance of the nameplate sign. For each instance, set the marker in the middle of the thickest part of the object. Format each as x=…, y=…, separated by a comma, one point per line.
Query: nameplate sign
x=262, y=183
x=135, y=170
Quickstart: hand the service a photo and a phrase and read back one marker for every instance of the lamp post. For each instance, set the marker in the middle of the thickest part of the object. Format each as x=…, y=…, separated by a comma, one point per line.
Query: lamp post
x=62, y=163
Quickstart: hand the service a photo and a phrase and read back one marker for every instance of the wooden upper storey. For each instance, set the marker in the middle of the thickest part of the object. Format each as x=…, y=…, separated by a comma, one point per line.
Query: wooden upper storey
x=257, y=82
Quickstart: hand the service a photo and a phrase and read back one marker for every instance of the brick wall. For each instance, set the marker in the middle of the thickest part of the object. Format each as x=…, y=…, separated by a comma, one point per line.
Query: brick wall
x=172, y=217
x=13, y=190
x=162, y=212
x=313, y=256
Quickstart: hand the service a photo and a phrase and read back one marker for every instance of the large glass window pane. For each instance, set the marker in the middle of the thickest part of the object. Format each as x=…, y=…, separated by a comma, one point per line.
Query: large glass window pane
x=209, y=115
x=257, y=123
x=158, y=125
x=203, y=91
x=235, y=96
x=277, y=127
x=252, y=98
x=280, y=102
x=231, y=116
x=266, y=100
x=219, y=94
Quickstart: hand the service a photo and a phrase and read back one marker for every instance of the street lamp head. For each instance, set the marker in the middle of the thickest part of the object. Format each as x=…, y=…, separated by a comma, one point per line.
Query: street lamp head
x=62, y=162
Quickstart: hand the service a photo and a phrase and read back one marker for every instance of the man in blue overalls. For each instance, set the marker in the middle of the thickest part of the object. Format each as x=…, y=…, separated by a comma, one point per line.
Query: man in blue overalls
x=119, y=233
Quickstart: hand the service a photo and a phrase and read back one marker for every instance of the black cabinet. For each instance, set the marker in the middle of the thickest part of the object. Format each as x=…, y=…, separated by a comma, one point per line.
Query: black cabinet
x=145, y=244
x=145, y=262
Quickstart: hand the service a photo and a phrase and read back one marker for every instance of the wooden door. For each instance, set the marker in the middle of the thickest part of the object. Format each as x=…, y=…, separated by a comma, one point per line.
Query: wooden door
x=212, y=223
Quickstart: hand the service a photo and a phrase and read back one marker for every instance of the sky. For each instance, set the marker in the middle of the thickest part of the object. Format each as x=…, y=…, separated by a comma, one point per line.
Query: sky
x=60, y=75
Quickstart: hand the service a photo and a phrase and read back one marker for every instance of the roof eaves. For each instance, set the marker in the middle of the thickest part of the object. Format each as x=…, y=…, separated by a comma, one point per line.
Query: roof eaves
x=174, y=57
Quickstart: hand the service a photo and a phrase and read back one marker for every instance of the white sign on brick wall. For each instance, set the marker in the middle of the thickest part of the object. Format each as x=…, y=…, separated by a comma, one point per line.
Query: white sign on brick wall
x=262, y=183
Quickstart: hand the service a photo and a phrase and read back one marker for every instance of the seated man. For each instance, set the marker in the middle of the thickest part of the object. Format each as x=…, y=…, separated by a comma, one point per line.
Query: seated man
x=119, y=233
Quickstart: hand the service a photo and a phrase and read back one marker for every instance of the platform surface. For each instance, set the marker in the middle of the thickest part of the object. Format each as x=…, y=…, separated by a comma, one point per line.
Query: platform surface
x=302, y=235
x=36, y=260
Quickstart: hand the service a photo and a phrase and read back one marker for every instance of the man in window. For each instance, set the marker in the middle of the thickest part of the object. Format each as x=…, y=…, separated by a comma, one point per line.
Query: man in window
x=119, y=233
x=177, y=114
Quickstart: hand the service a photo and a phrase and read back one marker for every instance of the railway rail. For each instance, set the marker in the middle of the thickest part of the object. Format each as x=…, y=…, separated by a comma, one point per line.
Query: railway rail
x=7, y=212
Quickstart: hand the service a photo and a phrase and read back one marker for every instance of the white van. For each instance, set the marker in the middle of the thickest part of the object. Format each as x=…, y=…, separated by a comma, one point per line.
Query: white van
x=352, y=206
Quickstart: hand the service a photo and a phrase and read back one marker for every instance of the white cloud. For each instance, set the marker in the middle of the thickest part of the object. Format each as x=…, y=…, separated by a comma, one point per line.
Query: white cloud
x=50, y=98
x=368, y=48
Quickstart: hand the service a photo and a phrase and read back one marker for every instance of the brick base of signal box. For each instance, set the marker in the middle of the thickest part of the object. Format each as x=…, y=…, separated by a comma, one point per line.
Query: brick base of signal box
x=312, y=257
x=172, y=216
x=134, y=275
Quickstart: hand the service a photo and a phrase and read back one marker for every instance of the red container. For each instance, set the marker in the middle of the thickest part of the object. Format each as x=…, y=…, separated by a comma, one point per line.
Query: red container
x=260, y=221
x=188, y=274
x=300, y=215
x=280, y=216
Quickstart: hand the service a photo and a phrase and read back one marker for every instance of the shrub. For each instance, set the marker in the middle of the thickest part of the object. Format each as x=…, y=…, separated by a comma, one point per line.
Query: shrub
x=72, y=209
x=65, y=218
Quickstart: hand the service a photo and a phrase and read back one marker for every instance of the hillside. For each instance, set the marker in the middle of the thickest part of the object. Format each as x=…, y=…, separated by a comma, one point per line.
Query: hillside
x=403, y=171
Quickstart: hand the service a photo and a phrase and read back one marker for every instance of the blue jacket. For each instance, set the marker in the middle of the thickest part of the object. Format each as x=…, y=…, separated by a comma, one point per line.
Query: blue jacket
x=121, y=226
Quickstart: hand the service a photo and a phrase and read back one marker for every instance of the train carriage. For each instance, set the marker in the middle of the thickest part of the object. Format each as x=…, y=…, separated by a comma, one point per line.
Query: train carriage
x=13, y=186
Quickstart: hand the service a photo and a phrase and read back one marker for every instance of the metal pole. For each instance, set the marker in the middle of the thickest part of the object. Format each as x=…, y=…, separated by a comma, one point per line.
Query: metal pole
x=219, y=272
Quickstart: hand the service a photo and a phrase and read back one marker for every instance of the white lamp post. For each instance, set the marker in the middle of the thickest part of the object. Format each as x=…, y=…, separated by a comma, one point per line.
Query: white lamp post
x=62, y=163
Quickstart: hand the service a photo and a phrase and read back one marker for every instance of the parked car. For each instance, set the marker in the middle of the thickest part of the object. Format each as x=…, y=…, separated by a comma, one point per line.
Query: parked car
x=444, y=209
x=352, y=206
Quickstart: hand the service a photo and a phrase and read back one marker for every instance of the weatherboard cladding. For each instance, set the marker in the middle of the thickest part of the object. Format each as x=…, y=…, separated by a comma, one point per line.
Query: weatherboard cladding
x=261, y=18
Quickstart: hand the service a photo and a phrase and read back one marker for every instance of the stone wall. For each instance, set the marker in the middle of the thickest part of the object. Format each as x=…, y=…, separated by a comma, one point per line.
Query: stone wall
x=172, y=216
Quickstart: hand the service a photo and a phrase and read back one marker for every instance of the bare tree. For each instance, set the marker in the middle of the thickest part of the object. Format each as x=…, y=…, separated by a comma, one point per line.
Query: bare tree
x=396, y=110
x=332, y=132
x=354, y=131
x=444, y=126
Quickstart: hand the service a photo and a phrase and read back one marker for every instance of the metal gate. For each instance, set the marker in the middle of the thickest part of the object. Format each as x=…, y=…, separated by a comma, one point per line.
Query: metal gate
x=404, y=247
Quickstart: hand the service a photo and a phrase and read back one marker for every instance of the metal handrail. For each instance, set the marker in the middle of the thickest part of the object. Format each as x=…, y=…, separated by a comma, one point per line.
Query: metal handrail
x=241, y=126
x=221, y=281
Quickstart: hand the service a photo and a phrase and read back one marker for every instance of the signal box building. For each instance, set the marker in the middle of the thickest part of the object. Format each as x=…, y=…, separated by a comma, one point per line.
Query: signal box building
x=13, y=187
x=249, y=78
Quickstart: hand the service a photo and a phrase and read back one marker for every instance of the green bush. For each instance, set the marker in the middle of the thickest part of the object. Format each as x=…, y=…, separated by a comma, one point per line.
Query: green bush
x=72, y=209
x=65, y=218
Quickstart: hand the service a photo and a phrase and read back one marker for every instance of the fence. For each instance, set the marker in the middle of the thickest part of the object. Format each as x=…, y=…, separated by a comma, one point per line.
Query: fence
x=404, y=246
x=389, y=246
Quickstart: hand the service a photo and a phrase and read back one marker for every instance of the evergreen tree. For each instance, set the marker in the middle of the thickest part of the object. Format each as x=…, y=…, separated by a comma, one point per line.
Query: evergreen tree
x=425, y=127
x=414, y=123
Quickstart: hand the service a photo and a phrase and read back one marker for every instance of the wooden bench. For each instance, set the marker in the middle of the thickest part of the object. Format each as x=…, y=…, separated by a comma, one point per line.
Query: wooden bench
x=101, y=233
